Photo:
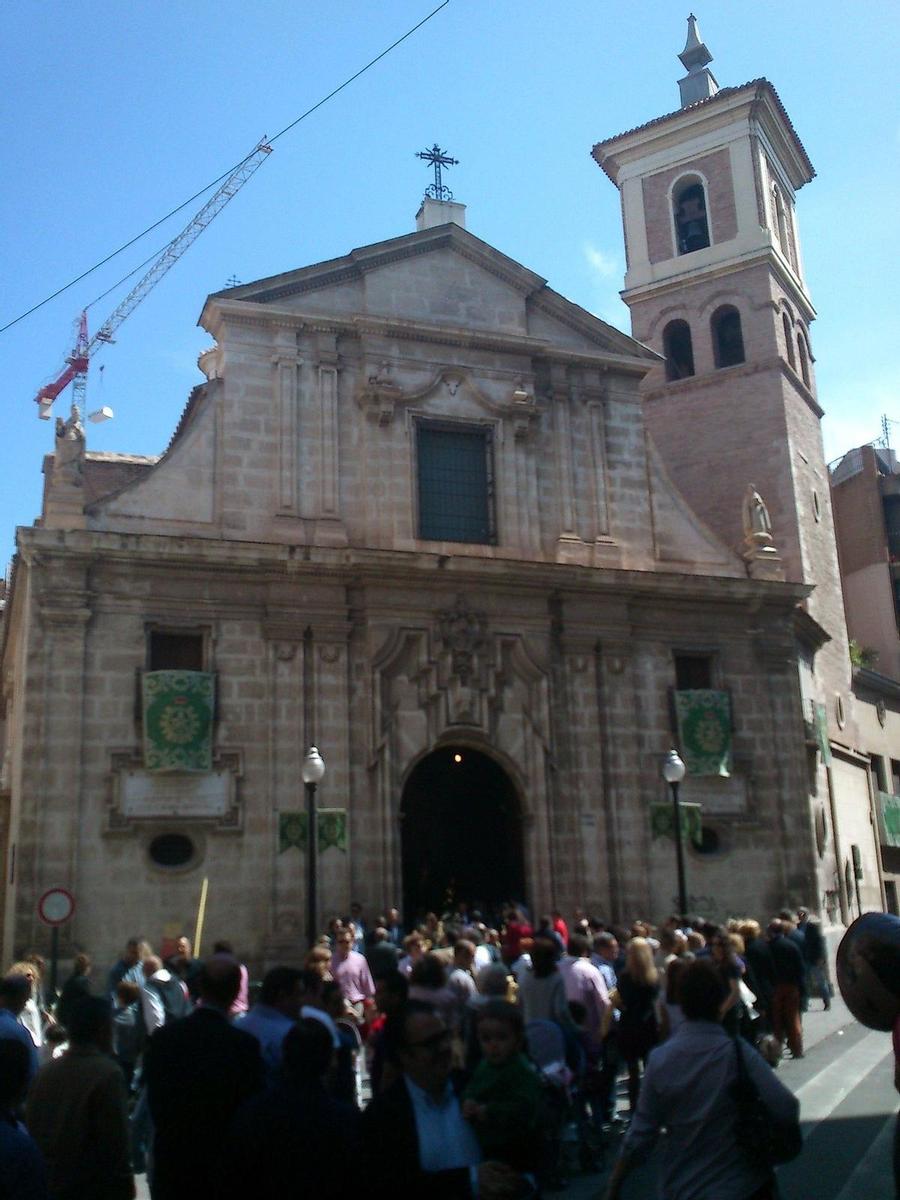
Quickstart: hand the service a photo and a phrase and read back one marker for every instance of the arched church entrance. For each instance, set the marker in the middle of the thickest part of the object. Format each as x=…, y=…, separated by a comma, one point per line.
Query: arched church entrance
x=461, y=833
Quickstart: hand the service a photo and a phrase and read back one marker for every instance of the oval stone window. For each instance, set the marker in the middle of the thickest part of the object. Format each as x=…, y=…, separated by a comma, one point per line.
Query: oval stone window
x=710, y=842
x=171, y=850
x=821, y=831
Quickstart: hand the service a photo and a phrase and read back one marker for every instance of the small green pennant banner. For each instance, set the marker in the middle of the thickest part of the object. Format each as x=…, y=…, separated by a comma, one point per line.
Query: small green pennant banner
x=662, y=821
x=822, y=733
x=291, y=831
x=331, y=824
x=178, y=720
x=704, y=731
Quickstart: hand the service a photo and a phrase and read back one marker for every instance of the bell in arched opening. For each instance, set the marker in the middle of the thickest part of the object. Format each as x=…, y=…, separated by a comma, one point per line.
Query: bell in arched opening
x=691, y=224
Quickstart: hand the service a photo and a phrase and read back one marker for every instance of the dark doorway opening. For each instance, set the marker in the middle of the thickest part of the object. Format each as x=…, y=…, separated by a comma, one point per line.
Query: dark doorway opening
x=461, y=832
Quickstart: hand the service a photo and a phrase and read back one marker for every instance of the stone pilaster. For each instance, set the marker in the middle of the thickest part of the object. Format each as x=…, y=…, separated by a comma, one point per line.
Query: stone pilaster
x=625, y=821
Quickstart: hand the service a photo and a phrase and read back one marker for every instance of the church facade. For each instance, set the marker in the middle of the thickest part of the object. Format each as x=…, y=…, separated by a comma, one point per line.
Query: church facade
x=412, y=517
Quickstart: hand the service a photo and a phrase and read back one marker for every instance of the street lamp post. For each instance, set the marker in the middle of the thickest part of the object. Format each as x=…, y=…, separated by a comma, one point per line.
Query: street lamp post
x=313, y=771
x=673, y=772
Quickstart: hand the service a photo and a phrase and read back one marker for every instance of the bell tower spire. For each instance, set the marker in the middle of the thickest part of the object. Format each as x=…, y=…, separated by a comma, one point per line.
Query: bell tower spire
x=699, y=83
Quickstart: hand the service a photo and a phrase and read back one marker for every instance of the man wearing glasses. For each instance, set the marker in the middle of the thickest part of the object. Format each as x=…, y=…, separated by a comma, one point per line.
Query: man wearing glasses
x=433, y=1150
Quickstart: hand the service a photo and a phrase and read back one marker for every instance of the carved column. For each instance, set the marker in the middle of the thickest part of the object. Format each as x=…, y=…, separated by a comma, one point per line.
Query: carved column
x=287, y=369
x=284, y=720
x=569, y=546
x=561, y=400
x=626, y=822
x=329, y=528
x=52, y=819
x=597, y=418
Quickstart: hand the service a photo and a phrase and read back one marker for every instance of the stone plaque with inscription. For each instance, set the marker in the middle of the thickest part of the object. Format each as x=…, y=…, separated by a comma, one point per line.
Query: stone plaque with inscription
x=142, y=794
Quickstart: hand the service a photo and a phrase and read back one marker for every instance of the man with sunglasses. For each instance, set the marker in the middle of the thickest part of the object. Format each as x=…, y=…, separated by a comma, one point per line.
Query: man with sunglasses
x=433, y=1149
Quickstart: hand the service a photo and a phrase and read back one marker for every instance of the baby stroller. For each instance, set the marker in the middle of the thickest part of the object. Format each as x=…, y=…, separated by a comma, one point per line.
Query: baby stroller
x=547, y=1050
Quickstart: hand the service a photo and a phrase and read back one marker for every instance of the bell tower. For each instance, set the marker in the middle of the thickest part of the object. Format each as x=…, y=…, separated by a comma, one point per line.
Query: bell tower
x=715, y=285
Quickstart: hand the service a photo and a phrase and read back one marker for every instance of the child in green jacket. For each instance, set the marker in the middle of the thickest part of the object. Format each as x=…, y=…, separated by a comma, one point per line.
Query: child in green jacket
x=503, y=1098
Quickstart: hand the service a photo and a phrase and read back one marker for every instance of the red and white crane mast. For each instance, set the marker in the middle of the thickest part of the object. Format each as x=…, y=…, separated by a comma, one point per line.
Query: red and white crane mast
x=76, y=368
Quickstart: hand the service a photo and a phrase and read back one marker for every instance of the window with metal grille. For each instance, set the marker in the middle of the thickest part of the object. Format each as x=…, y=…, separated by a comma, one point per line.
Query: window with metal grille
x=170, y=651
x=456, y=482
x=693, y=671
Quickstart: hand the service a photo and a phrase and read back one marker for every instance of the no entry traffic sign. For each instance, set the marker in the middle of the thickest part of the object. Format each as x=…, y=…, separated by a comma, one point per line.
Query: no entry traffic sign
x=56, y=906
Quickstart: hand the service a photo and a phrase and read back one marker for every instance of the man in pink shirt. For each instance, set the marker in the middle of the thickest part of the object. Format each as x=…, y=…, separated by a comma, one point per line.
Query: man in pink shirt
x=585, y=985
x=351, y=972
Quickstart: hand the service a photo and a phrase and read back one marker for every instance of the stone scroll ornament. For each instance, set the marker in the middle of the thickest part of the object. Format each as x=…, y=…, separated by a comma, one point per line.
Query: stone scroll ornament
x=704, y=730
x=662, y=821
x=178, y=720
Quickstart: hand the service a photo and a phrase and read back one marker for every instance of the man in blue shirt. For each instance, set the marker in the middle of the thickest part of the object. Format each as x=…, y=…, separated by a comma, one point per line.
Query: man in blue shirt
x=287, y=994
x=22, y=1172
x=15, y=991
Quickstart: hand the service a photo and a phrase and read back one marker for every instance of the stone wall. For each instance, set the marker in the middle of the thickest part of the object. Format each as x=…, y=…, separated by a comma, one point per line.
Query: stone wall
x=566, y=685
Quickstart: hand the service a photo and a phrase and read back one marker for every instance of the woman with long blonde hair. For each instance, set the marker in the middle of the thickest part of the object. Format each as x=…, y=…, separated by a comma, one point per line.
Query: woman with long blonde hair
x=31, y=1016
x=638, y=1032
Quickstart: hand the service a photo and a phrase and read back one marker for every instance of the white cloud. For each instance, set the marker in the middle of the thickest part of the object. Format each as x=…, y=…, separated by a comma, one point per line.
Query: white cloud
x=604, y=265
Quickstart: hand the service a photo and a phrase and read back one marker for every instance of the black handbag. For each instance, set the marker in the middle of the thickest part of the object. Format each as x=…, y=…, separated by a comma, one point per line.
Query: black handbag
x=765, y=1141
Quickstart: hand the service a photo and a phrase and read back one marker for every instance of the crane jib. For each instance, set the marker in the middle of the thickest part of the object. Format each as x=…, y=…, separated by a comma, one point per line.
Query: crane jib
x=77, y=362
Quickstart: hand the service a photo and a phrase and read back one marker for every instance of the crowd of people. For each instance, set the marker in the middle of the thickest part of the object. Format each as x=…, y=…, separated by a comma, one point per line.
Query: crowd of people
x=459, y=1057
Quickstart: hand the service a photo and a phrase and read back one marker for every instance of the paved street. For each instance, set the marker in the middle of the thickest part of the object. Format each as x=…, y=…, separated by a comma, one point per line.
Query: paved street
x=845, y=1085
x=847, y=1106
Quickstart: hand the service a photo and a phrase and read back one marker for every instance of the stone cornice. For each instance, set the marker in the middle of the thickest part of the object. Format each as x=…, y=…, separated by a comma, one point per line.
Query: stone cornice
x=756, y=100
x=249, y=313
x=687, y=278
x=326, y=566
x=865, y=679
x=354, y=265
x=715, y=378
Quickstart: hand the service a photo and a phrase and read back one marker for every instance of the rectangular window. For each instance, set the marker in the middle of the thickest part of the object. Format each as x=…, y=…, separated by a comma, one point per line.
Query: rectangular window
x=881, y=779
x=456, y=482
x=693, y=672
x=895, y=777
x=175, y=651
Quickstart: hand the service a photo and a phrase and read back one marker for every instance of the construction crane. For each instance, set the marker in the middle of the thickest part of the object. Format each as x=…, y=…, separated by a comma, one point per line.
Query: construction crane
x=76, y=368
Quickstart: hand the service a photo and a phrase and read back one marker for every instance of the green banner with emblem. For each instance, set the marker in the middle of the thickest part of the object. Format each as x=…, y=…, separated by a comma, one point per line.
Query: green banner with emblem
x=291, y=831
x=332, y=826
x=704, y=731
x=662, y=821
x=178, y=720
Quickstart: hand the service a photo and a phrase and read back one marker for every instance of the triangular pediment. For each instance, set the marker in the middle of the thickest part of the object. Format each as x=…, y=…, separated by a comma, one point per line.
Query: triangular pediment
x=439, y=276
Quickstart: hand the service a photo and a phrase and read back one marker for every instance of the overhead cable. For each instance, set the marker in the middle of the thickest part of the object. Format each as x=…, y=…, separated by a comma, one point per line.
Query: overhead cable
x=103, y=261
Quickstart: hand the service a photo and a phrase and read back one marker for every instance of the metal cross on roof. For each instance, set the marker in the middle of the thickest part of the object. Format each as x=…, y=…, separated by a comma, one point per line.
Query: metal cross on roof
x=438, y=159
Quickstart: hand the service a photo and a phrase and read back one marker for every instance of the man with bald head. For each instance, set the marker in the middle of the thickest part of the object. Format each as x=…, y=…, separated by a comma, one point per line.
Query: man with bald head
x=198, y=1071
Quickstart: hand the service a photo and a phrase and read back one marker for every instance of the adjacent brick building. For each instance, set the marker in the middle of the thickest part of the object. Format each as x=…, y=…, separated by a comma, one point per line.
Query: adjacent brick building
x=715, y=284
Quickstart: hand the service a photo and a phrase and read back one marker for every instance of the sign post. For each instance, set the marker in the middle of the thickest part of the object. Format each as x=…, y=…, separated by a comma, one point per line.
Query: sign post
x=55, y=907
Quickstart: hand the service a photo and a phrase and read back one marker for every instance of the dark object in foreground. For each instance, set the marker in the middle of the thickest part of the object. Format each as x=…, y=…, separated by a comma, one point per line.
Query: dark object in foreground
x=868, y=970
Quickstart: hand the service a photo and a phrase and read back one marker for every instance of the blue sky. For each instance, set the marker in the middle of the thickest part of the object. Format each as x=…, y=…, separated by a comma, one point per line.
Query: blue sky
x=114, y=113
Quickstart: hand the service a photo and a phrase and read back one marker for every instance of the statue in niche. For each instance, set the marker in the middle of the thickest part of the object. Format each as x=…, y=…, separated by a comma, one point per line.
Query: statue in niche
x=69, y=458
x=464, y=634
x=757, y=522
